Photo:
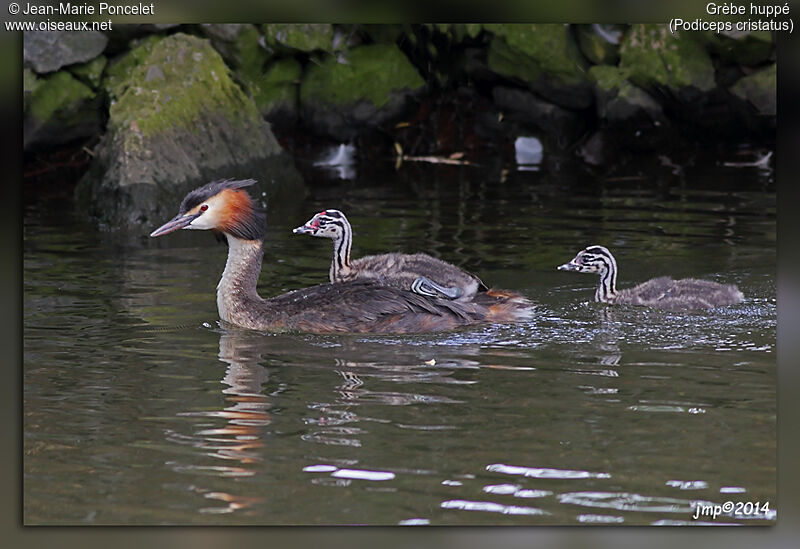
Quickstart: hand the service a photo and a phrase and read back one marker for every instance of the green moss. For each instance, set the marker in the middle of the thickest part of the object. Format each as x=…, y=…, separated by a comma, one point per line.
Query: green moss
x=247, y=55
x=656, y=58
x=525, y=51
x=503, y=60
x=278, y=86
x=30, y=83
x=749, y=48
x=457, y=32
x=371, y=74
x=118, y=73
x=90, y=72
x=608, y=77
x=303, y=37
x=617, y=97
x=57, y=93
x=759, y=89
x=192, y=82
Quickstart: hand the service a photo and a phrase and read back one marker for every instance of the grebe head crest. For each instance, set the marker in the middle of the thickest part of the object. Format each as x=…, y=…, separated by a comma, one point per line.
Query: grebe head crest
x=220, y=206
x=327, y=224
x=593, y=259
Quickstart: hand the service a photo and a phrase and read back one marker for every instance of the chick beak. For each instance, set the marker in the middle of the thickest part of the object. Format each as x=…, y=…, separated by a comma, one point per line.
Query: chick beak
x=310, y=227
x=304, y=229
x=571, y=266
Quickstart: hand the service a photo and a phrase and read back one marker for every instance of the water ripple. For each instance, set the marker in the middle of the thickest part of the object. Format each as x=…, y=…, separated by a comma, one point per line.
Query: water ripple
x=543, y=472
x=349, y=473
x=491, y=507
x=625, y=501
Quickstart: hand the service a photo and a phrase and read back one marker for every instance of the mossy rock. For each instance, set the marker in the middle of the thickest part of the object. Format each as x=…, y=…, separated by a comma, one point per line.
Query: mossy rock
x=118, y=73
x=369, y=88
x=179, y=120
x=240, y=45
x=759, y=89
x=524, y=108
x=600, y=43
x=30, y=82
x=91, y=73
x=659, y=60
x=58, y=109
x=275, y=91
x=305, y=37
x=544, y=57
x=742, y=48
x=620, y=101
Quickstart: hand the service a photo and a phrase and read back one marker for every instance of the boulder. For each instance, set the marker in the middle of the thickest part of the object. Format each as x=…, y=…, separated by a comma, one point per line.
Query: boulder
x=271, y=82
x=58, y=109
x=304, y=37
x=48, y=51
x=759, y=89
x=275, y=91
x=90, y=73
x=619, y=101
x=600, y=43
x=543, y=57
x=677, y=65
x=629, y=118
x=562, y=126
x=742, y=47
x=240, y=45
x=119, y=70
x=178, y=120
x=30, y=82
x=371, y=86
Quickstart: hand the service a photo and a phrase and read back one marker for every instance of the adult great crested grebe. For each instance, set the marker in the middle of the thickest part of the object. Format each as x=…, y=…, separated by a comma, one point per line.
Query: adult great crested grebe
x=420, y=273
x=354, y=306
x=662, y=292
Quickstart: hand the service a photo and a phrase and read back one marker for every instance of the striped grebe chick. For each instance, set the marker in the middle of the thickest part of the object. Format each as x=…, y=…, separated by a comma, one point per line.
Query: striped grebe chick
x=419, y=272
x=225, y=208
x=662, y=292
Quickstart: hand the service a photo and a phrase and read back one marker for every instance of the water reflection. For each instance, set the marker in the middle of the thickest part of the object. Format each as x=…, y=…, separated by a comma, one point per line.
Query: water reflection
x=336, y=422
x=246, y=416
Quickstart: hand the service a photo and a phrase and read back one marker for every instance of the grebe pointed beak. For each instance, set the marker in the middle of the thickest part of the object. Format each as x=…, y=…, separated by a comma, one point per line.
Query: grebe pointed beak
x=178, y=222
x=568, y=267
x=304, y=229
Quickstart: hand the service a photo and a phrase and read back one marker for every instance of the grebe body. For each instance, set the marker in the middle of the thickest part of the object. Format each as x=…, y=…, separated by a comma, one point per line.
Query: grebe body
x=418, y=272
x=662, y=292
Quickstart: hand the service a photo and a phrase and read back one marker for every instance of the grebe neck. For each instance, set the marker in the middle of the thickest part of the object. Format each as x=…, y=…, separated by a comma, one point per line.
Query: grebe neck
x=237, y=297
x=607, y=289
x=340, y=266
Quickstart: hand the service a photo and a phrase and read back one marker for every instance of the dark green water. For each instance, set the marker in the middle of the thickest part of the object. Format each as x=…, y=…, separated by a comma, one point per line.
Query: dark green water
x=140, y=409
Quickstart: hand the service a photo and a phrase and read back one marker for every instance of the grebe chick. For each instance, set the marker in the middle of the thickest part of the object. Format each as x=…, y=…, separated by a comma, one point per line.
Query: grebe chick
x=420, y=273
x=355, y=306
x=662, y=292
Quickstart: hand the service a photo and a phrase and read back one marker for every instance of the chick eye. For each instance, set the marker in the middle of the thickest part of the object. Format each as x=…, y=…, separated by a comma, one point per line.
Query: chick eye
x=204, y=207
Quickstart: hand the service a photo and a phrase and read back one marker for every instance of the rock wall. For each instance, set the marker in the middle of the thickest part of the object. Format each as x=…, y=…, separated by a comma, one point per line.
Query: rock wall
x=175, y=103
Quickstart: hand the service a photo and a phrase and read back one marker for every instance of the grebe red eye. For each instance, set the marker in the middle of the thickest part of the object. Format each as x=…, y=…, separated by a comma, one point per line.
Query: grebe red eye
x=204, y=207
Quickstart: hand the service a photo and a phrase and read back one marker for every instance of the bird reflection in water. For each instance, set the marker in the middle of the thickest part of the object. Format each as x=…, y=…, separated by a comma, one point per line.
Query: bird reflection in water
x=246, y=415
